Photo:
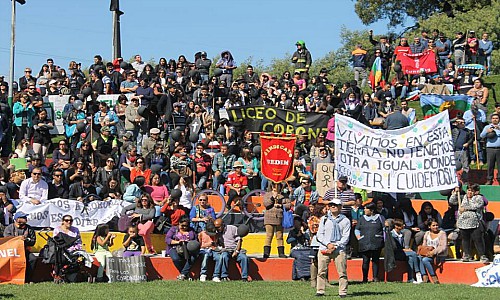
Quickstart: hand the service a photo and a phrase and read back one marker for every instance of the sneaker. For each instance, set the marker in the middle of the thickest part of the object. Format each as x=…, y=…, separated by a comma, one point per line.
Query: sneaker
x=319, y=294
x=203, y=277
x=225, y=279
x=419, y=278
x=245, y=280
x=181, y=277
x=416, y=282
x=216, y=279
x=484, y=259
x=466, y=259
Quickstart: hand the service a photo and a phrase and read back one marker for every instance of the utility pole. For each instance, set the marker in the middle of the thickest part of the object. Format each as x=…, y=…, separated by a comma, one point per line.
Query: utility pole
x=13, y=49
x=117, y=44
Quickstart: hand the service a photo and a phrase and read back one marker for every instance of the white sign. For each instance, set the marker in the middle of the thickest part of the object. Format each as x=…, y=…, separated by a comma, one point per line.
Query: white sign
x=489, y=276
x=417, y=158
x=57, y=102
x=85, y=217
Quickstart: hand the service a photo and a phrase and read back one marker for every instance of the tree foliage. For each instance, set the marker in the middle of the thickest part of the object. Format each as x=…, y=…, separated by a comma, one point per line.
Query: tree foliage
x=396, y=11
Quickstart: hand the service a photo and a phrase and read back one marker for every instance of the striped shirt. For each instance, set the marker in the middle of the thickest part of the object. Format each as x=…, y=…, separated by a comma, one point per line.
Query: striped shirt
x=344, y=196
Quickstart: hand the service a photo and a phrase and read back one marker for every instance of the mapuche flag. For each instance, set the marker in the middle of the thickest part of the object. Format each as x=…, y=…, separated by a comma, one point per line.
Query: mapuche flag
x=376, y=74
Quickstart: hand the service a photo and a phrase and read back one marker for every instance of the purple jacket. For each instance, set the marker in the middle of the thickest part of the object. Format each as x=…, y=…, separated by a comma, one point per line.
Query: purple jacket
x=173, y=234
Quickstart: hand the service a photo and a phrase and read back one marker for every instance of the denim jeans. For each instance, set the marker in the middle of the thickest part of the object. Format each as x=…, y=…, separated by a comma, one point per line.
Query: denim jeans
x=413, y=264
x=183, y=265
x=217, y=257
x=241, y=259
x=427, y=265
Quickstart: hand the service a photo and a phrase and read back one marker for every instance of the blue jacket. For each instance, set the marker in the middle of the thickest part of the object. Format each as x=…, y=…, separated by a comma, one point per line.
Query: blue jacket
x=485, y=48
x=18, y=110
x=300, y=195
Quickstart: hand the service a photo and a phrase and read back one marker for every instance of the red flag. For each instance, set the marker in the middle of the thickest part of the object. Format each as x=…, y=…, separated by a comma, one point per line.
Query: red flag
x=415, y=63
x=277, y=157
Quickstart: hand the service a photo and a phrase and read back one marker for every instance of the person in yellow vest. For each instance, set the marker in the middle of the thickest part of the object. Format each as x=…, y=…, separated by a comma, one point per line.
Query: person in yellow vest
x=302, y=60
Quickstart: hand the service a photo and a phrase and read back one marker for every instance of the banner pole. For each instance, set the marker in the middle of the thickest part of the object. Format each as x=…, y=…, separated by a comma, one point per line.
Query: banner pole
x=475, y=143
x=335, y=175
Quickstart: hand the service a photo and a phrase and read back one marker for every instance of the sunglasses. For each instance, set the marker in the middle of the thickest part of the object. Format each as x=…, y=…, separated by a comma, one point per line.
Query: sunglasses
x=145, y=199
x=202, y=199
x=68, y=220
x=57, y=175
x=37, y=174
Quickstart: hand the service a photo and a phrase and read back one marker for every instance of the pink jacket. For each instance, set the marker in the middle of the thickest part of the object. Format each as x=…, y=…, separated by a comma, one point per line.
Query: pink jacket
x=330, y=135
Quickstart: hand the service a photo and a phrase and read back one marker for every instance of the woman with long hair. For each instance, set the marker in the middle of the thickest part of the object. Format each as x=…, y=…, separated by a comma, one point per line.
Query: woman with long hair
x=42, y=138
x=143, y=212
x=101, y=241
x=436, y=239
x=177, y=239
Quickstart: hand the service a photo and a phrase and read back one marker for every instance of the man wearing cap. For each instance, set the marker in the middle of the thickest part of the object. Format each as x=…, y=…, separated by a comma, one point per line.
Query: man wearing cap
x=227, y=64
x=475, y=121
x=129, y=85
x=459, y=44
x=105, y=146
x=333, y=235
x=58, y=187
x=302, y=60
x=203, y=66
x=344, y=193
x=148, y=145
x=133, y=120
x=236, y=183
x=26, y=79
x=34, y=189
x=21, y=228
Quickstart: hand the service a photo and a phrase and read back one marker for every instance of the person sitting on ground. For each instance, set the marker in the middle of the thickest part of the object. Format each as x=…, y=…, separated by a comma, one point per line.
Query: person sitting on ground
x=177, y=239
x=21, y=228
x=133, y=243
x=83, y=190
x=436, y=239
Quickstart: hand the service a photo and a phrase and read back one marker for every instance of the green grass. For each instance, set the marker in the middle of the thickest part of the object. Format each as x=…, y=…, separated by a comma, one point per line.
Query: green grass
x=236, y=290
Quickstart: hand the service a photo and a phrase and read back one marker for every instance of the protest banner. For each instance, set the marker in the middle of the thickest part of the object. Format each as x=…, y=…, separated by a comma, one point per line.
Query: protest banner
x=417, y=158
x=85, y=217
x=277, y=120
x=57, y=103
x=416, y=63
x=324, y=178
x=126, y=269
x=489, y=276
x=277, y=157
x=12, y=260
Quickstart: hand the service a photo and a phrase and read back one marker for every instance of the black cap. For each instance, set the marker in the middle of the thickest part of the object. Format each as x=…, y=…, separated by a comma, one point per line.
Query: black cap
x=343, y=179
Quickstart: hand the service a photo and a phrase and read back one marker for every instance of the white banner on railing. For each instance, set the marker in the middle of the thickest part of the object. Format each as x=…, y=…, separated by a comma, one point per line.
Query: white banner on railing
x=417, y=158
x=85, y=217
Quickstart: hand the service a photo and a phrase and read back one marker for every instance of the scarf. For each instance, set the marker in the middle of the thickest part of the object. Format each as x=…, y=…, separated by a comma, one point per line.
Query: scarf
x=336, y=234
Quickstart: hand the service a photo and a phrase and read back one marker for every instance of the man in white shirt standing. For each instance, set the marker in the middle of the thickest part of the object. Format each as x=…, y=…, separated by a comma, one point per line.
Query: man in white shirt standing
x=34, y=189
x=138, y=65
x=333, y=235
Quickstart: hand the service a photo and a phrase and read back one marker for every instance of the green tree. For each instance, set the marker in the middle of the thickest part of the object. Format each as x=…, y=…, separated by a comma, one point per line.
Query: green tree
x=396, y=11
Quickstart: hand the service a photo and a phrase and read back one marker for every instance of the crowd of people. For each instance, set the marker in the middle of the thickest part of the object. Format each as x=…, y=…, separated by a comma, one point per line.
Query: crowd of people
x=164, y=141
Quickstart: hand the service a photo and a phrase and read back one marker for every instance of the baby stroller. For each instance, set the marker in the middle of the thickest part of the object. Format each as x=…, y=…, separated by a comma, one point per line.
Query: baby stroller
x=67, y=267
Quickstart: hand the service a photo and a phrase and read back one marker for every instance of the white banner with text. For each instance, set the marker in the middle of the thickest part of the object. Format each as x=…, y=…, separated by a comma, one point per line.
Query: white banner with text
x=417, y=158
x=86, y=217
